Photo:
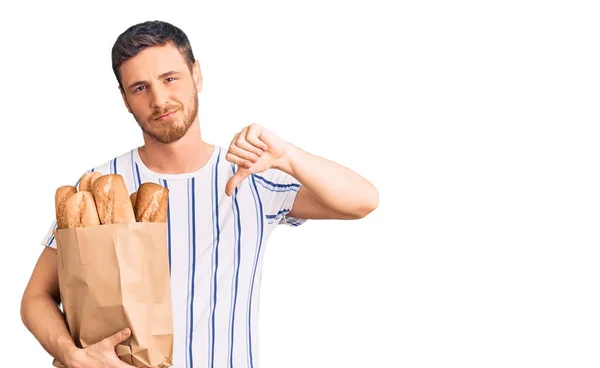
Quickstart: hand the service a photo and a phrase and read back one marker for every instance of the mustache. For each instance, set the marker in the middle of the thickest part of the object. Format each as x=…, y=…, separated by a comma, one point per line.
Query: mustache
x=164, y=111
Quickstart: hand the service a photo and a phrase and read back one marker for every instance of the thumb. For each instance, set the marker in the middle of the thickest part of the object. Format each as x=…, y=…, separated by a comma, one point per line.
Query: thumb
x=235, y=180
x=119, y=337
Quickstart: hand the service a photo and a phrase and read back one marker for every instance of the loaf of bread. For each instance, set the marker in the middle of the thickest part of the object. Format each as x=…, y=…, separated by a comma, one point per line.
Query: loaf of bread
x=87, y=180
x=112, y=200
x=61, y=196
x=151, y=203
x=104, y=199
x=81, y=210
x=132, y=198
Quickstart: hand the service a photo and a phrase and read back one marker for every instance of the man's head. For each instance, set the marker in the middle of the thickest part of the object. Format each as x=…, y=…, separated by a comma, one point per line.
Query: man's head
x=159, y=78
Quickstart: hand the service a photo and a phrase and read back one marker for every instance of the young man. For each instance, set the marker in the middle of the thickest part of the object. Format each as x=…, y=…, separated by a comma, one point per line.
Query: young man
x=224, y=204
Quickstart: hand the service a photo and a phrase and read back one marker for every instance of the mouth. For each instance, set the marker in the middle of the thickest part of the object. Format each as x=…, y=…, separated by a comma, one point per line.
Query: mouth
x=166, y=116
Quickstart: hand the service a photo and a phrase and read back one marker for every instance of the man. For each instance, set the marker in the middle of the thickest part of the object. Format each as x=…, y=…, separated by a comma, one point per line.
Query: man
x=223, y=206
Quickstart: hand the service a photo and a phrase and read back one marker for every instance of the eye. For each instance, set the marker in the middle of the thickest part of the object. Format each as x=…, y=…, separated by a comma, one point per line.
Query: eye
x=170, y=79
x=140, y=88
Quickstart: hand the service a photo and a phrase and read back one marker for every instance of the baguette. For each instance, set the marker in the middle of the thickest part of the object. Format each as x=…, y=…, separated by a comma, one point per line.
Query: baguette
x=87, y=180
x=151, y=203
x=112, y=200
x=132, y=197
x=61, y=196
x=81, y=210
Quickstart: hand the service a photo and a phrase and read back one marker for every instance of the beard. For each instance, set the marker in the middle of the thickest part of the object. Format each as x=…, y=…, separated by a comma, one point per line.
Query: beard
x=172, y=130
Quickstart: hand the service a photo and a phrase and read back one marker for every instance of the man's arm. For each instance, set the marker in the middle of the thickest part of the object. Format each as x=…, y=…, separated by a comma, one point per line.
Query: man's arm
x=39, y=307
x=43, y=318
x=329, y=190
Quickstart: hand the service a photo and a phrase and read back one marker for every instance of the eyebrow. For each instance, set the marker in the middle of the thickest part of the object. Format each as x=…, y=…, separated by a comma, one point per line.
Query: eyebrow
x=163, y=75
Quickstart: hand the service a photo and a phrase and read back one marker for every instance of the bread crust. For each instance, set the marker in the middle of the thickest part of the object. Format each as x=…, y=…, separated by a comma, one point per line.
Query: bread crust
x=61, y=196
x=112, y=200
x=81, y=210
x=132, y=197
x=87, y=181
x=151, y=203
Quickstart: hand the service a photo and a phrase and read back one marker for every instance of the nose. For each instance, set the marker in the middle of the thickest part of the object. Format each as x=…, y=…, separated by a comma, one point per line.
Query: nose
x=159, y=97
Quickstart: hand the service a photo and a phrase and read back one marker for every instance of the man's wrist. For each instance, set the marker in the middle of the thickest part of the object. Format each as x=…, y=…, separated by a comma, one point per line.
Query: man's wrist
x=286, y=162
x=66, y=348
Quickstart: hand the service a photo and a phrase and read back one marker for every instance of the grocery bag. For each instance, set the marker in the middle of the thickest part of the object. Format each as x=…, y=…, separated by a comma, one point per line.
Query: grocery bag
x=113, y=276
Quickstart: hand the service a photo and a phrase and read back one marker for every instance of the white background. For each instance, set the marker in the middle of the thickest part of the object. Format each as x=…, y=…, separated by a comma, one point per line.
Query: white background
x=476, y=120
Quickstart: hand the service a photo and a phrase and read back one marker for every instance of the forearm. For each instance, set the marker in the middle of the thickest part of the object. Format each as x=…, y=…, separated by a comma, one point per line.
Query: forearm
x=45, y=321
x=332, y=184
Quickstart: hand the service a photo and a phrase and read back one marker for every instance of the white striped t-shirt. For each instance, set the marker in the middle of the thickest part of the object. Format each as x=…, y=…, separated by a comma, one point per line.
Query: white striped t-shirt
x=216, y=249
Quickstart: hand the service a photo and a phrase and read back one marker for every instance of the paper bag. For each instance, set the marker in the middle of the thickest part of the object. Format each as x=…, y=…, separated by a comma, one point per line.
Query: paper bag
x=115, y=276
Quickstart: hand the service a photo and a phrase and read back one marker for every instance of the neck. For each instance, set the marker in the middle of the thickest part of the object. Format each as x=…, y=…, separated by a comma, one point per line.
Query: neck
x=188, y=154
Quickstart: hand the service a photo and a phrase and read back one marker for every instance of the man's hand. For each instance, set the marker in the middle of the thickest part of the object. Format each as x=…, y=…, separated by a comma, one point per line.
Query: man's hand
x=100, y=355
x=255, y=149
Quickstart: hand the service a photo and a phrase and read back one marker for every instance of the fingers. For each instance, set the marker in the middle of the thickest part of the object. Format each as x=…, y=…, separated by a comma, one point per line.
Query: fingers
x=114, y=341
x=119, y=337
x=253, y=145
x=245, y=149
x=248, y=154
x=241, y=158
x=235, y=180
x=253, y=136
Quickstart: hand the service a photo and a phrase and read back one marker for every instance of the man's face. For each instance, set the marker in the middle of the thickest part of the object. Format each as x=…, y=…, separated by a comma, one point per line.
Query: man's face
x=161, y=92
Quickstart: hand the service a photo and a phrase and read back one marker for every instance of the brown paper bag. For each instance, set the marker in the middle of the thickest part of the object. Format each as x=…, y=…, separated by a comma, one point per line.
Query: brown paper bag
x=115, y=276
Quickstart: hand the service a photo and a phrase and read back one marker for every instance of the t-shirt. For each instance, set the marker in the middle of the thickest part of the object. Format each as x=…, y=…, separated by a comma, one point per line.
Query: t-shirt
x=216, y=247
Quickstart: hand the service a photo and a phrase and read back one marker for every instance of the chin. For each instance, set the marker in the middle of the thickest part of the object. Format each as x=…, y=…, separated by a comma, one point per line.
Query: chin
x=167, y=136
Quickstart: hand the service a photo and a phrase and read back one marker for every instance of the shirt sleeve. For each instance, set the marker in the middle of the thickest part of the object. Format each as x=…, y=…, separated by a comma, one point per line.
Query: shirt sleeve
x=278, y=191
x=49, y=240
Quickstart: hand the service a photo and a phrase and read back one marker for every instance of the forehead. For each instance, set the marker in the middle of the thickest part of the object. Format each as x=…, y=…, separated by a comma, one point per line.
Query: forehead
x=152, y=62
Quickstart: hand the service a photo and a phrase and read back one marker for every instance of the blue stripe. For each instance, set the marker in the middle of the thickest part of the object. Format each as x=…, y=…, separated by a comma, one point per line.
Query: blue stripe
x=292, y=185
x=259, y=214
x=193, y=269
x=213, y=223
x=188, y=331
x=238, y=235
x=278, y=189
x=215, y=260
x=113, y=166
x=137, y=170
x=293, y=223
x=282, y=212
x=136, y=183
x=168, y=223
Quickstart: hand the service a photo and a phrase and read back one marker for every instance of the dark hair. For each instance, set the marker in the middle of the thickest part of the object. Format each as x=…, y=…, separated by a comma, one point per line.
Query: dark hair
x=147, y=34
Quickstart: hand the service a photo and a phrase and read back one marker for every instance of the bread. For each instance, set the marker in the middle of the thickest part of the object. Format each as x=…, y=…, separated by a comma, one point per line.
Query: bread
x=87, y=180
x=61, y=196
x=107, y=202
x=112, y=200
x=132, y=198
x=81, y=210
x=151, y=203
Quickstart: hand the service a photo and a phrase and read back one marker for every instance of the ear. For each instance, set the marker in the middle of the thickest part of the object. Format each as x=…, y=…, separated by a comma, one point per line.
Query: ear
x=124, y=99
x=197, y=75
